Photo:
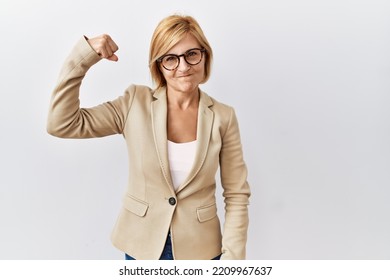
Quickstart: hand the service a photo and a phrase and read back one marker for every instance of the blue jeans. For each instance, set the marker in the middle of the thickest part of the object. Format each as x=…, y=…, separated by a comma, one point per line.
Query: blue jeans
x=167, y=252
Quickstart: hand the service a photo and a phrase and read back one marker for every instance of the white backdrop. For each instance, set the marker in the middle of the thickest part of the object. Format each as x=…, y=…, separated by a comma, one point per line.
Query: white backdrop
x=310, y=84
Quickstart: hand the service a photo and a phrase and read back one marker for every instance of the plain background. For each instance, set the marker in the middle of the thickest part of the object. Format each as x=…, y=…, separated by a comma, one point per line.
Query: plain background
x=310, y=84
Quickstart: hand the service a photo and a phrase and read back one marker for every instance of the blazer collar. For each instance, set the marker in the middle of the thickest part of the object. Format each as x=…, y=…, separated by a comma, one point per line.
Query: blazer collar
x=159, y=121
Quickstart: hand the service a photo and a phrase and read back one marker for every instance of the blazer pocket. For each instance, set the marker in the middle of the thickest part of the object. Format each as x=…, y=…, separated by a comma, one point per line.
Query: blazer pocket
x=206, y=213
x=135, y=205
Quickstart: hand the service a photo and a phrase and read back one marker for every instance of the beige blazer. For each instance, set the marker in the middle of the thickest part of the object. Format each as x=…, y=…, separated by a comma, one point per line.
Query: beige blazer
x=151, y=206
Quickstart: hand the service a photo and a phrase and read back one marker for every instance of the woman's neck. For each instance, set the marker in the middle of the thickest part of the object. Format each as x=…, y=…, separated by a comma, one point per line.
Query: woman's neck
x=183, y=100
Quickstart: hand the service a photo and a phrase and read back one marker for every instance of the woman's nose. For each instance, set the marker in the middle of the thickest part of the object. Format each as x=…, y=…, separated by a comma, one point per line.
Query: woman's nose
x=183, y=65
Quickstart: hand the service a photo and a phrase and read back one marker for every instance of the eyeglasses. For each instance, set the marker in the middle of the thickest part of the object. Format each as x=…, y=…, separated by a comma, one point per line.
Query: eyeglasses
x=171, y=61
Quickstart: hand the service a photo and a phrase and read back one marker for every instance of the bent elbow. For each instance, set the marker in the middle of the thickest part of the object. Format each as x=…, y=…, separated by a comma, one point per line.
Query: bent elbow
x=54, y=130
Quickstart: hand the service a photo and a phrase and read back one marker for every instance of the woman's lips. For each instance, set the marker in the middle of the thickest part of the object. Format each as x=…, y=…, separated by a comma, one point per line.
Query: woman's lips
x=185, y=76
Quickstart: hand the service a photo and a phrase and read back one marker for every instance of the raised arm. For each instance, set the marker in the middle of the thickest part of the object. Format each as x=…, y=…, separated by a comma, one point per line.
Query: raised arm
x=66, y=119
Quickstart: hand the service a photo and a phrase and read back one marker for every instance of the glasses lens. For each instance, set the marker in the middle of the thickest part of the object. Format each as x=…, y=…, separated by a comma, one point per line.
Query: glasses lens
x=193, y=56
x=170, y=62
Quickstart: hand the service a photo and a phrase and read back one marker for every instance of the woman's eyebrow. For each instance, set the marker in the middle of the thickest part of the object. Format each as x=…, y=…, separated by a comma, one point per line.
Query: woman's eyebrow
x=183, y=52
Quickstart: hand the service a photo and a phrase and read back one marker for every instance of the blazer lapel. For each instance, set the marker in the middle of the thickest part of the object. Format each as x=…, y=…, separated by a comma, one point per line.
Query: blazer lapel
x=204, y=126
x=159, y=123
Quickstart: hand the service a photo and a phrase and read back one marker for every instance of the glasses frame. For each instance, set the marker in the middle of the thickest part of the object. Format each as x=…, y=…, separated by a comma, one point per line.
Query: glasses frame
x=160, y=59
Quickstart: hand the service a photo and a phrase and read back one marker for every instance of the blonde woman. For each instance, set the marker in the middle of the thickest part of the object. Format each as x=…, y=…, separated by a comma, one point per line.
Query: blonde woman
x=177, y=136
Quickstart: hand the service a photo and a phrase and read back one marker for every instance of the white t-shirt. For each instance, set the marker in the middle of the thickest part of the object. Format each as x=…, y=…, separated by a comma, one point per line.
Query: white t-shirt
x=181, y=158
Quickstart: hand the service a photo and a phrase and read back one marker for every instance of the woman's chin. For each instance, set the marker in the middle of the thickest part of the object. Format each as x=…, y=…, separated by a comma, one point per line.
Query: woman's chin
x=187, y=87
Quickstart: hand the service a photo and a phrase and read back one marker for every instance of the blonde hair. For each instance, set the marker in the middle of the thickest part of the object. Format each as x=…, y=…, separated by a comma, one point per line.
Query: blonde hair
x=166, y=35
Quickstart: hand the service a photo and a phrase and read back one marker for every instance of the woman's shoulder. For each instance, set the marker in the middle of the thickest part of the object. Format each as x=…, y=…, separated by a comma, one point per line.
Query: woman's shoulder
x=217, y=106
x=224, y=114
x=141, y=92
x=140, y=89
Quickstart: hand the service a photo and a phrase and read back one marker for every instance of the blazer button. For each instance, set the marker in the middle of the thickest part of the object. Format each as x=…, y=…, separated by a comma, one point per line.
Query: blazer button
x=172, y=201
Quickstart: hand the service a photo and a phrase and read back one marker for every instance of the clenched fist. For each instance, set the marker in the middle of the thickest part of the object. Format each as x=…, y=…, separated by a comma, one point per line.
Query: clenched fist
x=104, y=46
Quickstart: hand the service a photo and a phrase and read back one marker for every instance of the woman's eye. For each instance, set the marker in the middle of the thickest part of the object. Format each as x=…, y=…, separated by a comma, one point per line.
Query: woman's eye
x=170, y=58
x=191, y=53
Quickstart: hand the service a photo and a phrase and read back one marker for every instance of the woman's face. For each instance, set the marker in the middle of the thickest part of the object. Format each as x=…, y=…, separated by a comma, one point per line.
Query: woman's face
x=185, y=78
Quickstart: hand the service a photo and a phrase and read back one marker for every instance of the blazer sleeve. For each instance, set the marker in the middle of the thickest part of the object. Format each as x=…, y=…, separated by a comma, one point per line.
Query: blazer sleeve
x=236, y=193
x=66, y=119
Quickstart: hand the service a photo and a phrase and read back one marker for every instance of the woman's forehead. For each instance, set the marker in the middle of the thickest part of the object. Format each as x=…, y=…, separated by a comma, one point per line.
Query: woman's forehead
x=188, y=42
